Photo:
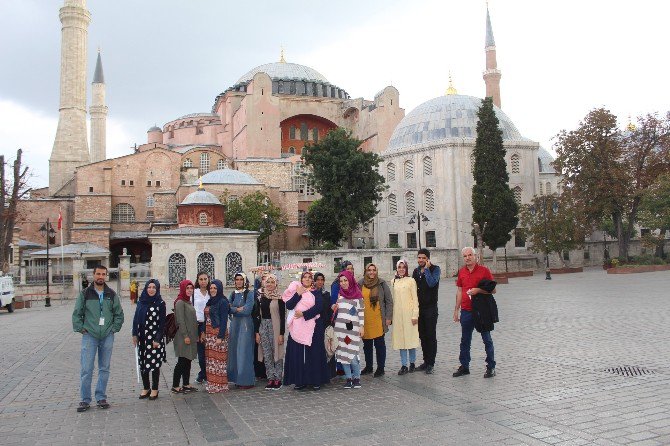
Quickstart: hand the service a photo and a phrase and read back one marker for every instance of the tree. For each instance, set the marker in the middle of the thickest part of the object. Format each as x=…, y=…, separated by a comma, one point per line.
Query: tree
x=655, y=212
x=12, y=192
x=606, y=171
x=563, y=231
x=493, y=204
x=251, y=212
x=349, y=183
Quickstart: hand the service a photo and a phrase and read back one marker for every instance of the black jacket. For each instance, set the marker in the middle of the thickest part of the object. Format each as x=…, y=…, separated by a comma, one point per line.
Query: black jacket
x=427, y=294
x=484, y=307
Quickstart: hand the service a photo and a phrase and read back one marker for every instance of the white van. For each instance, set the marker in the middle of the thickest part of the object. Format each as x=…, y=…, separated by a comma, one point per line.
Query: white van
x=7, y=293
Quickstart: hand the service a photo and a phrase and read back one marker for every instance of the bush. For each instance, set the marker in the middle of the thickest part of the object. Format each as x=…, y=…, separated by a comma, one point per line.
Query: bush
x=645, y=259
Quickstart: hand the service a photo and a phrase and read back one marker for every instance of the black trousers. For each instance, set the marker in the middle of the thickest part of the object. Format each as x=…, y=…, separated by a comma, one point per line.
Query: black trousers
x=380, y=348
x=428, y=336
x=182, y=372
x=155, y=375
x=202, y=374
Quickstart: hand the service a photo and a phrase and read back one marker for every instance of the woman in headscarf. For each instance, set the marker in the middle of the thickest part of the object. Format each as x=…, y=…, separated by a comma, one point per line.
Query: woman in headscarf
x=349, y=328
x=378, y=304
x=270, y=334
x=216, y=338
x=405, y=317
x=185, y=341
x=148, y=329
x=305, y=363
x=241, y=343
x=326, y=317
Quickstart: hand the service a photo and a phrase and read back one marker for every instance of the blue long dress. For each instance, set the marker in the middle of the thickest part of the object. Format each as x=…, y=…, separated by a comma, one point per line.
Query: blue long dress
x=305, y=365
x=241, y=340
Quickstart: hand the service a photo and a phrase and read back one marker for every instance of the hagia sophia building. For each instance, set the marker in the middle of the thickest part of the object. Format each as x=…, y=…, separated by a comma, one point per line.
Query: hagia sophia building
x=251, y=140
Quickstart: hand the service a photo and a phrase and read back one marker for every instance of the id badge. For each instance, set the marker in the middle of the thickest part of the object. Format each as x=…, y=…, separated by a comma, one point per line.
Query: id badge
x=102, y=321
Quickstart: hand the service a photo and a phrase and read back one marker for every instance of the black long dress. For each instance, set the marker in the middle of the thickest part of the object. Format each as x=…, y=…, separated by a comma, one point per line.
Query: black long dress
x=306, y=365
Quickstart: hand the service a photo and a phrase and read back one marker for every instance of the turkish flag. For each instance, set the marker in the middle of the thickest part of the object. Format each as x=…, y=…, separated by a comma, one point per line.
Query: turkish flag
x=60, y=220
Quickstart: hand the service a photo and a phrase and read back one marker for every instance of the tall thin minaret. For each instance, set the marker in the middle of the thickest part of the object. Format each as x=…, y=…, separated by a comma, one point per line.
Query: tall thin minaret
x=70, y=148
x=491, y=74
x=98, y=111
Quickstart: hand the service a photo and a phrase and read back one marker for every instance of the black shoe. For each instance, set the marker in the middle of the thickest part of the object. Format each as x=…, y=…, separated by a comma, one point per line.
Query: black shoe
x=316, y=388
x=422, y=367
x=366, y=371
x=153, y=397
x=403, y=370
x=379, y=372
x=429, y=369
x=461, y=371
x=490, y=372
x=200, y=380
x=83, y=407
x=299, y=388
x=103, y=404
x=412, y=367
x=144, y=395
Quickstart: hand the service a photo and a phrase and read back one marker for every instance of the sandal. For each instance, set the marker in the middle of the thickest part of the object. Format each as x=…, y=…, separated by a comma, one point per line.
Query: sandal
x=189, y=389
x=177, y=390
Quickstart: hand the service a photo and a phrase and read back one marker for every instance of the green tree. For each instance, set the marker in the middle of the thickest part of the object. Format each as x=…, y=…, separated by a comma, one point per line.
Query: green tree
x=551, y=225
x=11, y=191
x=321, y=224
x=250, y=211
x=493, y=204
x=655, y=213
x=349, y=183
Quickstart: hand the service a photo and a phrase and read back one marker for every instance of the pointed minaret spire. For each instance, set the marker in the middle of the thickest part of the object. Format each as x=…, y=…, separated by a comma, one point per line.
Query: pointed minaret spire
x=98, y=112
x=491, y=75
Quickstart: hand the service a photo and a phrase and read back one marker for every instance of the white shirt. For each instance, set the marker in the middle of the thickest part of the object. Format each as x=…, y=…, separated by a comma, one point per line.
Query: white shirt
x=199, y=303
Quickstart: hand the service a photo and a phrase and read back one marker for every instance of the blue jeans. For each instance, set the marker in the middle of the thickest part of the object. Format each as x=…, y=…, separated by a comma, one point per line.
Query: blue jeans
x=353, y=370
x=89, y=347
x=467, y=327
x=403, y=356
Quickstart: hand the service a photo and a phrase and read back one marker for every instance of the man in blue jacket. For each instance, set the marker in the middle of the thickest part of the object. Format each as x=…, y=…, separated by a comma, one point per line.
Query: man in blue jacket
x=427, y=277
x=97, y=316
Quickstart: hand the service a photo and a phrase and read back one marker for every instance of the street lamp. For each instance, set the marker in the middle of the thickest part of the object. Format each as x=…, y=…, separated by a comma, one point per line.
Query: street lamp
x=554, y=208
x=419, y=218
x=270, y=226
x=47, y=231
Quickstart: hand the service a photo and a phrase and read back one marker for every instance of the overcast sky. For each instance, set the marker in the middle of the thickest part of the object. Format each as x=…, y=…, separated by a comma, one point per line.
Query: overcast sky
x=165, y=58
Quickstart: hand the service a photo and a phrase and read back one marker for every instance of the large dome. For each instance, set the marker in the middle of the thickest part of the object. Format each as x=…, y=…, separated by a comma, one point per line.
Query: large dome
x=444, y=118
x=284, y=70
x=228, y=176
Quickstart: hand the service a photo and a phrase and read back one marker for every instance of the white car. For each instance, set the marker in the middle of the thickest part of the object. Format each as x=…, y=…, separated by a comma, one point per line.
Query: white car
x=7, y=293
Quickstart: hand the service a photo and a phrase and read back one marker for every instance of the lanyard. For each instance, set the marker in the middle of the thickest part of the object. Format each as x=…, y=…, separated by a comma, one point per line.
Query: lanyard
x=101, y=297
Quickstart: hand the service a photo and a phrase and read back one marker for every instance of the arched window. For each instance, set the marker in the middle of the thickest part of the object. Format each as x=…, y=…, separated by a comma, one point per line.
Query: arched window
x=410, y=205
x=291, y=132
x=427, y=166
x=549, y=188
x=303, y=131
x=409, y=170
x=517, y=195
x=539, y=164
x=315, y=134
x=123, y=213
x=204, y=163
x=472, y=162
x=390, y=172
x=232, y=198
x=221, y=164
x=541, y=189
x=188, y=163
x=202, y=219
x=302, y=219
x=429, y=200
x=150, y=201
x=233, y=266
x=291, y=150
x=205, y=263
x=176, y=269
x=515, y=162
x=393, y=205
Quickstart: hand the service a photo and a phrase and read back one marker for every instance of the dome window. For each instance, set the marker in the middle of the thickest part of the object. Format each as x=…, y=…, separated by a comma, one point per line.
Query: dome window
x=393, y=205
x=409, y=170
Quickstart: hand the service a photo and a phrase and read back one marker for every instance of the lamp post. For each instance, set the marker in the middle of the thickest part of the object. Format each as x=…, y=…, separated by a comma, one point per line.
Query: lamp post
x=47, y=231
x=419, y=218
x=554, y=207
x=269, y=225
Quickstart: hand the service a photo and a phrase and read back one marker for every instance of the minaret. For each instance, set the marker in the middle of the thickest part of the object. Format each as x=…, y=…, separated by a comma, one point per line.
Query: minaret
x=491, y=74
x=70, y=148
x=98, y=111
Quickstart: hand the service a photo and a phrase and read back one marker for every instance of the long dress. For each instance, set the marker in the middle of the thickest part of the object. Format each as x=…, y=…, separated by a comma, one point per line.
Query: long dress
x=306, y=365
x=151, y=358
x=216, y=358
x=405, y=308
x=242, y=340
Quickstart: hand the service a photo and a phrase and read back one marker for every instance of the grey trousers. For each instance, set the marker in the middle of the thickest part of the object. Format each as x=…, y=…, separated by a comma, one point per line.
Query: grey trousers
x=274, y=370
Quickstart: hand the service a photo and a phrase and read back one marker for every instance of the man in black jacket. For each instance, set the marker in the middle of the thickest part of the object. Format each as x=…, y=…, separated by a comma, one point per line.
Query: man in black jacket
x=427, y=277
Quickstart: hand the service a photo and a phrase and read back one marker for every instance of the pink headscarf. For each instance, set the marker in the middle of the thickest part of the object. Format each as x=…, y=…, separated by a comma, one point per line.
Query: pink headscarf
x=354, y=291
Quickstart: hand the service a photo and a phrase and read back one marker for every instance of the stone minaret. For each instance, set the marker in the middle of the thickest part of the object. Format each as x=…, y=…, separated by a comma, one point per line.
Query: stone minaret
x=491, y=74
x=70, y=148
x=98, y=111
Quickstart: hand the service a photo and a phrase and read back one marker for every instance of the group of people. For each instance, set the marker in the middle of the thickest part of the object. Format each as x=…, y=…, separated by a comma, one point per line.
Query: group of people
x=303, y=336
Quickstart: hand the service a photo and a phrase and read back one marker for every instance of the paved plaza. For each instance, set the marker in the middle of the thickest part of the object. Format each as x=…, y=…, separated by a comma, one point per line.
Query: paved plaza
x=554, y=346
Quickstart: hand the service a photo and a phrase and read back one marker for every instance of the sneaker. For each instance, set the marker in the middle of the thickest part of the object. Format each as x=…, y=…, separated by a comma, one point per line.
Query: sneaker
x=357, y=383
x=429, y=369
x=200, y=380
x=490, y=372
x=461, y=371
x=412, y=367
x=299, y=388
x=103, y=404
x=83, y=407
x=278, y=385
x=349, y=384
x=246, y=387
x=366, y=371
x=270, y=386
x=403, y=370
x=422, y=367
x=379, y=372
x=316, y=388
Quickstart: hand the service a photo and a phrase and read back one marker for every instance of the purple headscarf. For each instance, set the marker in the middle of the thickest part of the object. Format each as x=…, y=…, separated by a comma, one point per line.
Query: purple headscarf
x=354, y=291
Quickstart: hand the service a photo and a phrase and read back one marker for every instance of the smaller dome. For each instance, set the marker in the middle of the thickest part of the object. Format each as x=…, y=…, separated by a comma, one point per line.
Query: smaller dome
x=201, y=196
x=228, y=176
x=544, y=160
x=155, y=129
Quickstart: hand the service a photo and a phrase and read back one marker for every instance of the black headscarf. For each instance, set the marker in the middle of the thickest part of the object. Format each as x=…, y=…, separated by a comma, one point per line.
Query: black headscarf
x=146, y=301
x=219, y=292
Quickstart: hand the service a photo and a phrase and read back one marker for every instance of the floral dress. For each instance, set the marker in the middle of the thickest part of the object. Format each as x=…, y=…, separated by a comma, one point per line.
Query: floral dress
x=216, y=358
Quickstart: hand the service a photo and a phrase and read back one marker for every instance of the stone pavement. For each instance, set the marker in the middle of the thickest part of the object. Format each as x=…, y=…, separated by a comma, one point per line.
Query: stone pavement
x=554, y=345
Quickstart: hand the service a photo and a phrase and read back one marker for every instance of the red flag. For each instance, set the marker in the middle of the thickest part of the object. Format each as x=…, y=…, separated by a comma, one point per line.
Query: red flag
x=60, y=220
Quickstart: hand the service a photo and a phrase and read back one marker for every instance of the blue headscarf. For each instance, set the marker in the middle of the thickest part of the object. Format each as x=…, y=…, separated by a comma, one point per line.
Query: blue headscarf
x=146, y=301
x=219, y=292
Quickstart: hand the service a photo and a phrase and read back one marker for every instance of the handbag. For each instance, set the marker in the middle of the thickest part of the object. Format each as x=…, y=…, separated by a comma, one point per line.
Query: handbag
x=330, y=341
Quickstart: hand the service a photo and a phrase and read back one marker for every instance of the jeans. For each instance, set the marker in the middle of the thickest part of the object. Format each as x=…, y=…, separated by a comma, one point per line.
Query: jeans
x=403, y=356
x=182, y=372
x=467, y=327
x=91, y=345
x=428, y=336
x=353, y=370
x=380, y=348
